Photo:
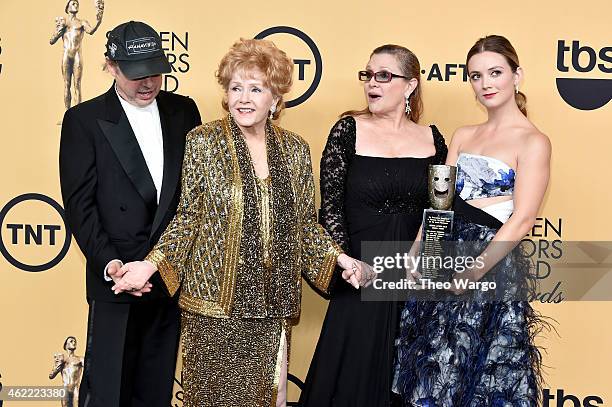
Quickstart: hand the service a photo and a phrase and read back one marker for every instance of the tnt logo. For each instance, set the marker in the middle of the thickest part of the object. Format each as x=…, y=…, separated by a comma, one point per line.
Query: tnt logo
x=34, y=236
x=584, y=93
x=306, y=57
x=560, y=399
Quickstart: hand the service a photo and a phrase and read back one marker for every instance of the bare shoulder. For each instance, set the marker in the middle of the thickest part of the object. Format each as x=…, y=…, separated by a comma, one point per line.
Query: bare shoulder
x=363, y=121
x=535, y=142
x=361, y=118
x=424, y=129
x=463, y=134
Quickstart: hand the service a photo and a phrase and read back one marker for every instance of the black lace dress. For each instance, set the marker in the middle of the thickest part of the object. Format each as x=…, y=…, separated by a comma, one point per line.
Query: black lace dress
x=363, y=199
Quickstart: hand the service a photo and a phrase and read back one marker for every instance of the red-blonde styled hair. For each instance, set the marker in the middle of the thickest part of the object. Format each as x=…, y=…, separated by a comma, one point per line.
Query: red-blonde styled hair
x=249, y=54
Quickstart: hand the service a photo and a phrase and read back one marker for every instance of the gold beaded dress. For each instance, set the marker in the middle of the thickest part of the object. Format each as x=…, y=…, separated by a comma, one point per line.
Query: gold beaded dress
x=236, y=250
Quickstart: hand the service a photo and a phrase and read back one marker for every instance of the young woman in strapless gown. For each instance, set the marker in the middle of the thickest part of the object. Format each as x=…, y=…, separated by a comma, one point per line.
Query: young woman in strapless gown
x=478, y=350
x=373, y=188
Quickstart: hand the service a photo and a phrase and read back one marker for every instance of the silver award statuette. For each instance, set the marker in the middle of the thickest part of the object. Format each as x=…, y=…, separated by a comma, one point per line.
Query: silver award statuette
x=71, y=29
x=70, y=366
x=438, y=222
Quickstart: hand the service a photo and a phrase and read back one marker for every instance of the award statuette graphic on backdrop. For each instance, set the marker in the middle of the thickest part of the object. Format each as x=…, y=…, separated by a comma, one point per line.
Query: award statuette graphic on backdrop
x=71, y=367
x=72, y=31
x=438, y=221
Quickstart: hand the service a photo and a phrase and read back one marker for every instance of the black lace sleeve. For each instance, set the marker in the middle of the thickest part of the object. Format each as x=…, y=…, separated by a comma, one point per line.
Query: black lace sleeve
x=338, y=153
x=440, y=143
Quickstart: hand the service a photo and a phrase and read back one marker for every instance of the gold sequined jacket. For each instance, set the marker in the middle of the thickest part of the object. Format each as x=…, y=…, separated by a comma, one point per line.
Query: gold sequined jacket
x=211, y=250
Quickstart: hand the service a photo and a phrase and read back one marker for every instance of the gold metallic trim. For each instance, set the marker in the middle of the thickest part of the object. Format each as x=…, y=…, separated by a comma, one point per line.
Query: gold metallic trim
x=280, y=135
x=168, y=273
x=264, y=186
x=327, y=268
x=200, y=306
x=232, y=244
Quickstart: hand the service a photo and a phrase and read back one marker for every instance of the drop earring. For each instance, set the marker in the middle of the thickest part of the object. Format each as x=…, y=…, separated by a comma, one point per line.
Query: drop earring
x=272, y=111
x=408, y=109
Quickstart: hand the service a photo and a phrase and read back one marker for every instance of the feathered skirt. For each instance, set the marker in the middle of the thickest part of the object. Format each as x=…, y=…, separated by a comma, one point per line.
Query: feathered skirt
x=478, y=349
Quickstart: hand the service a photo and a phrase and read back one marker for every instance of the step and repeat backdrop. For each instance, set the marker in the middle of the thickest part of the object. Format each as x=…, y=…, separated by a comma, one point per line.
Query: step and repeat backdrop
x=565, y=50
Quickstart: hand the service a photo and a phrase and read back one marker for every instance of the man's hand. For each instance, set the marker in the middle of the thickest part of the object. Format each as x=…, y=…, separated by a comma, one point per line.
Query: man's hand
x=135, y=278
x=115, y=272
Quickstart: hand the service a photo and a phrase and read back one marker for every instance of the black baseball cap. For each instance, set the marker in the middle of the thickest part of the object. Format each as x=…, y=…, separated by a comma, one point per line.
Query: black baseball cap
x=137, y=48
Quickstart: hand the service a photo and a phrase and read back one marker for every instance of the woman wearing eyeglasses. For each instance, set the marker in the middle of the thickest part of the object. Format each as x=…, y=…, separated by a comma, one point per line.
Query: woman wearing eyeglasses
x=373, y=188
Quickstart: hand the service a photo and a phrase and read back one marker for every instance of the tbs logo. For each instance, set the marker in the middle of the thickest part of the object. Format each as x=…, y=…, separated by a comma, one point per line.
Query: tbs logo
x=560, y=399
x=580, y=92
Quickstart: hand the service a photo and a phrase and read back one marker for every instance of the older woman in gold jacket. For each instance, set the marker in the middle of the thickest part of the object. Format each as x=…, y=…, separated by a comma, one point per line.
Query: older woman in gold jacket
x=244, y=233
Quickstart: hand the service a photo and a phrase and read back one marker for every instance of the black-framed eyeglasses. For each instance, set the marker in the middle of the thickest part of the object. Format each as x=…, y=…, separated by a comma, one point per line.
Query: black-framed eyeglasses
x=380, y=76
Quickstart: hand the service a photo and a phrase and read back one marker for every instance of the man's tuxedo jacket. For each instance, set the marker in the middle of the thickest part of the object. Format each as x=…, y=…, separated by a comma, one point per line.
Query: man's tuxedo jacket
x=109, y=195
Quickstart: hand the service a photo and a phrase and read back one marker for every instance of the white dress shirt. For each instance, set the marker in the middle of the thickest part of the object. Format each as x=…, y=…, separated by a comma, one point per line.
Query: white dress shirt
x=146, y=125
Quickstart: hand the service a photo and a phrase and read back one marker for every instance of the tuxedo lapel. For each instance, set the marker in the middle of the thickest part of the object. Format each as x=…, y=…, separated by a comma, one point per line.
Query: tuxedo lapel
x=119, y=133
x=172, y=126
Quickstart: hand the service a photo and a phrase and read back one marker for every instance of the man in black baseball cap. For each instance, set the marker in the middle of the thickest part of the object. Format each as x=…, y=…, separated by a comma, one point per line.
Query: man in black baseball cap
x=137, y=49
x=120, y=164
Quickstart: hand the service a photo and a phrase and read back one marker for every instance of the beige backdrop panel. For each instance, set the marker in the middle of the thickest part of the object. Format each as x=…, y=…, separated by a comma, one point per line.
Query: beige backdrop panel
x=40, y=309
